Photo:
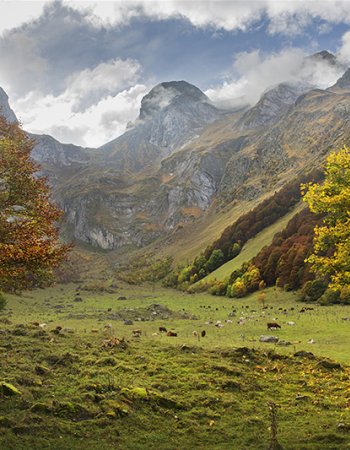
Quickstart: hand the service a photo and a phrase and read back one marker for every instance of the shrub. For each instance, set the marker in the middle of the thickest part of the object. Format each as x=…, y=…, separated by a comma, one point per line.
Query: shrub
x=330, y=297
x=313, y=290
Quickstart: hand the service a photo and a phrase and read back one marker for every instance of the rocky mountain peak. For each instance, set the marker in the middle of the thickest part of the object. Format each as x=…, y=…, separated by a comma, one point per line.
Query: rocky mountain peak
x=5, y=109
x=324, y=55
x=170, y=93
x=171, y=114
x=273, y=104
x=344, y=81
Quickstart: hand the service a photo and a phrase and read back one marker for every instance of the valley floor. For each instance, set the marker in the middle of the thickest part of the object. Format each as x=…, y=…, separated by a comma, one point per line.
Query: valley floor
x=93, y=385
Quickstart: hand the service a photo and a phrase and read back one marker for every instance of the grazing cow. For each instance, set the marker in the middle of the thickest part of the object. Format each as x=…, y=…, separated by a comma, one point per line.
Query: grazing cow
x=155, y=334
x=136, y=333
x=171, y=333
x=195, y=334
x=290, y=323
x=203, y=333
x=162, y=330
x=273, y=326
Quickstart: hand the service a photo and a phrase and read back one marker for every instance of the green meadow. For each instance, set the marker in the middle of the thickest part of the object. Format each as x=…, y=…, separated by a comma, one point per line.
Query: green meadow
x=93, y=385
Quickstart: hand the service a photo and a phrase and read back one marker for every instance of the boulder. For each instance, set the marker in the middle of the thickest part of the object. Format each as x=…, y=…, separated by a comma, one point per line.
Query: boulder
x=269, y=339
x=284, y=343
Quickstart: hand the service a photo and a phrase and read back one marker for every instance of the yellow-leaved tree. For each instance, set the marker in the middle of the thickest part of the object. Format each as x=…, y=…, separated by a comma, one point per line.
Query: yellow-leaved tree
x=331, y=256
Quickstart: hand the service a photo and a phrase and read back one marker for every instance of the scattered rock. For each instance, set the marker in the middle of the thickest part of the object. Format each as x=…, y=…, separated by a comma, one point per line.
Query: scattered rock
x=284, y=343
x=269, y=339
x=329, y=365
x=302, y=397
x=121, y=298
x=128, y=322
x=304, y=354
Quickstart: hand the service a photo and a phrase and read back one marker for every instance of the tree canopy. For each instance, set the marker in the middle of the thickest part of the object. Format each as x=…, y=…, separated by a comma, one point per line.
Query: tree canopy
x=331, y=256
x=29, y=241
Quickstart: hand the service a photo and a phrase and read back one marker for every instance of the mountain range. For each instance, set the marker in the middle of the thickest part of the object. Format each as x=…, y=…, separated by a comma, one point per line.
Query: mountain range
x=184, y=162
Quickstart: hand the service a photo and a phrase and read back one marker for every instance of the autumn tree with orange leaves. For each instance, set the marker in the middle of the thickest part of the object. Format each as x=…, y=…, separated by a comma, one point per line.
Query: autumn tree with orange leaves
x=29, y=243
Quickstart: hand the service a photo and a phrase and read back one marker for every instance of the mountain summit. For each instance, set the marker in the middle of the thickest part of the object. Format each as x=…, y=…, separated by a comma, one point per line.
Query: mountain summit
x=171, y=114
x=169, y=94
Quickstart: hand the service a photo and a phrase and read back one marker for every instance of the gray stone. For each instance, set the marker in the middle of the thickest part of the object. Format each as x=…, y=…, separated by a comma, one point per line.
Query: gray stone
x=269, y=339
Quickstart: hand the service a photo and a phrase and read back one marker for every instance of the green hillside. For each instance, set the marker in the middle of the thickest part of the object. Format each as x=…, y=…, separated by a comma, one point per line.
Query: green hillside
x=252, y=247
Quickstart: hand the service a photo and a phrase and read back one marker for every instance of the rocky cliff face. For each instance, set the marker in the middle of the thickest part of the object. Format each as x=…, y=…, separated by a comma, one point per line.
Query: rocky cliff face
x=51, y=153
x=273, y=104
x=183, y=157
x=5, y=109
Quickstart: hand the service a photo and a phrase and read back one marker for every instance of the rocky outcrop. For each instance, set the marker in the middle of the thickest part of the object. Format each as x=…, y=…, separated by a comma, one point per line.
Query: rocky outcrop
x=50, y=152
x=5, y=109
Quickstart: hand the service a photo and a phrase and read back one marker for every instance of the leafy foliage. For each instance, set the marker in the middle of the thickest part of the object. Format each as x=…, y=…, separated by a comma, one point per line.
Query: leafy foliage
x=144, y=269
x=331, y=256
x=29, y=242
x=229, y=245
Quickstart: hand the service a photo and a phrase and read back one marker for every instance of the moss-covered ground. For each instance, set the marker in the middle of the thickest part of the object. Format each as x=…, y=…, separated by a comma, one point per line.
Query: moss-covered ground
x=85, y=387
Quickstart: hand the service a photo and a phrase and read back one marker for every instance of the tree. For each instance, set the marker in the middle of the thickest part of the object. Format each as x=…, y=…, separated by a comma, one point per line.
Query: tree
x=29, y=242
x=331, y=256
x=216, y=260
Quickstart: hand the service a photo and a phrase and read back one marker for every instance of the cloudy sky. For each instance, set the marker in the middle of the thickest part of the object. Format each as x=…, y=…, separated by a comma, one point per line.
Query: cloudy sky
x=78, y=69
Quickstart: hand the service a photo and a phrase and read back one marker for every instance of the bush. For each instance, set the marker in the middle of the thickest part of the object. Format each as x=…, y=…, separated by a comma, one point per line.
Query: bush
x=218, y=288
x=313, y=290
x=330, y=297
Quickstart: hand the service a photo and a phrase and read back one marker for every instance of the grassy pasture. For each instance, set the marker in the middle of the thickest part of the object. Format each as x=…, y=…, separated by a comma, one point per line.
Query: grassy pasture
x=165, y=392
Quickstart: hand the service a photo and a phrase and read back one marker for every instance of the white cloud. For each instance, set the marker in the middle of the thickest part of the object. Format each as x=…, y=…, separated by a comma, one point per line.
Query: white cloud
x=95, y=107
x=344, y=50
x=286, y=17
x=254, y=73
x=91, y=85
x=15, y=13
x=20, y=61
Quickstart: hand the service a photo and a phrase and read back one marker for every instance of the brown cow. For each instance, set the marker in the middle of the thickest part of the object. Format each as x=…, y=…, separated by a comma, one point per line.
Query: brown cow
x=203, y=333
x=273, y=326
x=171, y=333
